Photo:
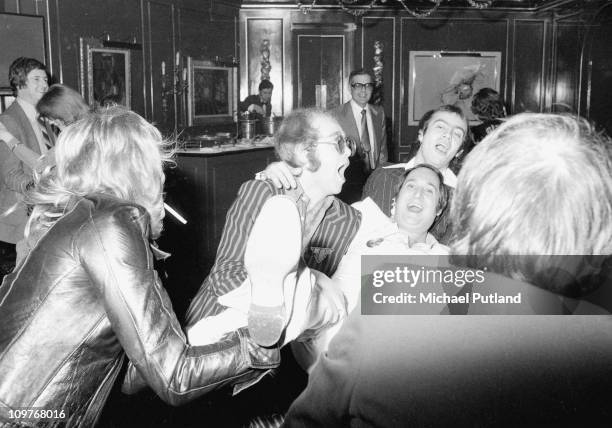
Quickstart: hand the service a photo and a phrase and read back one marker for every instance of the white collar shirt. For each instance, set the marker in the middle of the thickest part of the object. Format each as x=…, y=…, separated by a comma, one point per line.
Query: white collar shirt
x=356, y=108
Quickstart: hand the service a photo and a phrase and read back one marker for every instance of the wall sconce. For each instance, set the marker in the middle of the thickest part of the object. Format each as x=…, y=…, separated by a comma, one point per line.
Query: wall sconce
x=129, y=43
x=174, y=84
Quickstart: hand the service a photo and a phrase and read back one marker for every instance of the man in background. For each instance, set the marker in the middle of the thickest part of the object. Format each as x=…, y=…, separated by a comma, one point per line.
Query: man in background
x=259, y=105
x=29, y=81
x=364, y=123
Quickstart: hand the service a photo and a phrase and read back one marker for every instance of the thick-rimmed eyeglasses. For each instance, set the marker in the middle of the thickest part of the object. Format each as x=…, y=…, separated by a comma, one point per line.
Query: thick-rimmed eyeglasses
x=360, y=86
x=341, y=143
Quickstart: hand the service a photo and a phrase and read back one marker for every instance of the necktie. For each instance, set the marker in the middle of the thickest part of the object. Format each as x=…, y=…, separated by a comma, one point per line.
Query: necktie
x=365, y=139
x=47, y=133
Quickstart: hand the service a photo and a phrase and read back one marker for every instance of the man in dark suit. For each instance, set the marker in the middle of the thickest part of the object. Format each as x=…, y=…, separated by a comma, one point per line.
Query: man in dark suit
x=364, y=123
x=29, y=81
x=525, y=368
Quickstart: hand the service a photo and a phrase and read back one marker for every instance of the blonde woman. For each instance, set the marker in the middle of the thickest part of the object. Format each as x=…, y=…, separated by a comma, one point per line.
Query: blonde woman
x=86, y=293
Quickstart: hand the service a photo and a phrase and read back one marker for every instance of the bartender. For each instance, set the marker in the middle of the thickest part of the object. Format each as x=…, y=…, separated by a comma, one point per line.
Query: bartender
x=259, y=105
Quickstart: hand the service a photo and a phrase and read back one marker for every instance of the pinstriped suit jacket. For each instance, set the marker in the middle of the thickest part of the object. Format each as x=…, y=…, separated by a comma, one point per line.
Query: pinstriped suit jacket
x=327, y=246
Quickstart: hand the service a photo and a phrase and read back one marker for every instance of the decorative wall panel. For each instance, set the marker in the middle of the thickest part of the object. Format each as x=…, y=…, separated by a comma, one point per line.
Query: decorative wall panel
x=529, y=69
x=265, y=58
x=320, y=70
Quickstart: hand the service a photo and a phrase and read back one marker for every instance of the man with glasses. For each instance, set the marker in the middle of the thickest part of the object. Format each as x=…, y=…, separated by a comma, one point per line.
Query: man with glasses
x=313, y=140
x=364, y=123
x=270, y=233
x=442, y=133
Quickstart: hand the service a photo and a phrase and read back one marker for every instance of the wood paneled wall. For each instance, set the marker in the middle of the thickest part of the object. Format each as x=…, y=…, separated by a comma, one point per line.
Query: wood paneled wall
x=541, y=53
x=198, y=28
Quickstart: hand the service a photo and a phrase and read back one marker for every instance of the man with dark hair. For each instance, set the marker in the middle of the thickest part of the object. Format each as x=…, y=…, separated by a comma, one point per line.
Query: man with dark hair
x=259, y=105
x=29, y=81
x=364, y=123
x=442, y=133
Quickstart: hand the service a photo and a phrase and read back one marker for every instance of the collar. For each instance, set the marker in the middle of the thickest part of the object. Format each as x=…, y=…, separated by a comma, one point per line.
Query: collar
x=28, y=109
x=357, y=108
x=302, y=200
x=450, y=179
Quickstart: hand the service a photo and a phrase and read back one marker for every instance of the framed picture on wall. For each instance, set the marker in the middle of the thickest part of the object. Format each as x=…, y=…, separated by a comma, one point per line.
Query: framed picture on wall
x=211, y=92
x=438, y=78
x=105, y=74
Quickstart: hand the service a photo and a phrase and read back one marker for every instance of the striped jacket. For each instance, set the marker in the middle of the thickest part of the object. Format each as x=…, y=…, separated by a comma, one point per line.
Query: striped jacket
x=329, y=243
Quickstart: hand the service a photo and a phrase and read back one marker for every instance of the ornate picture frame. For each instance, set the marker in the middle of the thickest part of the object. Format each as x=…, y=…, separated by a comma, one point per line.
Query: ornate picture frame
x=105, y=73
x=438, y=77
x=212, y=92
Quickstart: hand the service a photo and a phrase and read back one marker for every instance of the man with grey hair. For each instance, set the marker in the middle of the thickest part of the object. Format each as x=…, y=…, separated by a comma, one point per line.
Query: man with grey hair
x=533, y=203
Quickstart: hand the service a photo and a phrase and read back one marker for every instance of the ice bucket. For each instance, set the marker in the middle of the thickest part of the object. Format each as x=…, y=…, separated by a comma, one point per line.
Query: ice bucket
x=247, y=128
x=269, y=125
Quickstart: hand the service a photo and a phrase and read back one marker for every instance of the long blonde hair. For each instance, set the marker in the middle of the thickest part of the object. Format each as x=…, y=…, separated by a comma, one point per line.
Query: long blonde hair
x=113, y=151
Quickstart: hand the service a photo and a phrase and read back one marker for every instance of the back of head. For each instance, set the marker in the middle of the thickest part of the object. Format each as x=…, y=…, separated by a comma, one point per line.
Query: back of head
x=487, y=105
x=113, y=151
x=540, y=184
x=19, y=69
x=300, y=127
x=64, y=103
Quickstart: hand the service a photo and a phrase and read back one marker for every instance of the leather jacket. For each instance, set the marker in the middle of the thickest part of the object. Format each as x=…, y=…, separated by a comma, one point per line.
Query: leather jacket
x=85, y=296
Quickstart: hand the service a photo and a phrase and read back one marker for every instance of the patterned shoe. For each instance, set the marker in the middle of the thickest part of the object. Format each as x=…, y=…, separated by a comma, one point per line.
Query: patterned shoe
x=272, y=252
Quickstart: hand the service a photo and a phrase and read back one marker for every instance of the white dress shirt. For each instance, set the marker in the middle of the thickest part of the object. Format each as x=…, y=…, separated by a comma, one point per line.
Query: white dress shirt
x=357, y=115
